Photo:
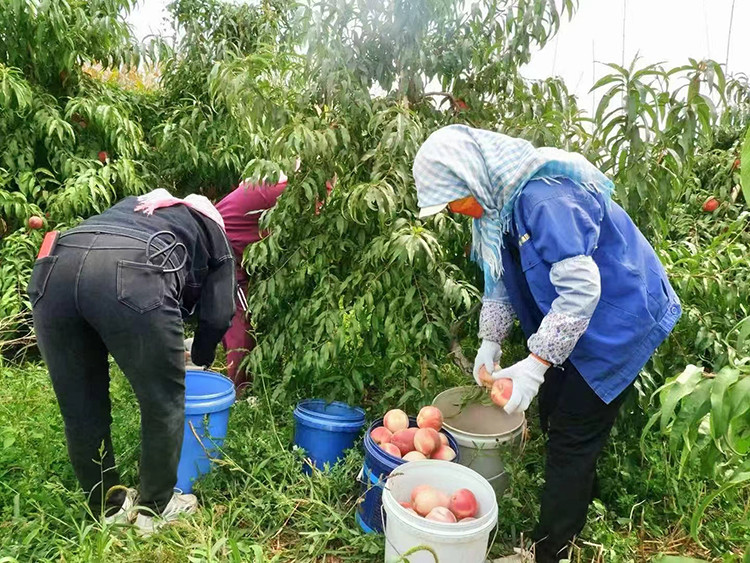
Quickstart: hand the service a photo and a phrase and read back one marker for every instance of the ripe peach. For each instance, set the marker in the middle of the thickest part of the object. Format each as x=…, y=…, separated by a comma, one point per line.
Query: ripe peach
x=463, y=504
x=381, y=435
x=443, y=439
x=441, y=514
x=404, y=440
x=426, y=441
x=102, y=157
x=486, y=377
x=430, y=417
x=444, y=452
x=502, y=389
x=405, y=504
x=35, y=222
x=466, y=520
x=414, y=456
x=711, y=205
x=395, y=420
x=391, y=449
x=418, y=489
x=428, y=499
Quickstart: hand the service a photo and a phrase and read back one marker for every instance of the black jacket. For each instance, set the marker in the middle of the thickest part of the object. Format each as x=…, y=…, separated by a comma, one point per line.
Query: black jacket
x=207, y=282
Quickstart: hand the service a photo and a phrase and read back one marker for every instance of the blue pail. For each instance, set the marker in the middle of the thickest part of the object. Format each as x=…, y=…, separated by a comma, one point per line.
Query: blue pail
x=325, y=430
x=208, y=397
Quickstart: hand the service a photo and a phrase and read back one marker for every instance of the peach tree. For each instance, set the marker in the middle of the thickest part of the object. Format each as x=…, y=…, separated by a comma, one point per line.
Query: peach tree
x=352, y=294
x=70, y=145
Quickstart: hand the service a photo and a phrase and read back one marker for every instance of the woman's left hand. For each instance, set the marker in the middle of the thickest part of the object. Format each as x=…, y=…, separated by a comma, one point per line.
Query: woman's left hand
x=526, y=375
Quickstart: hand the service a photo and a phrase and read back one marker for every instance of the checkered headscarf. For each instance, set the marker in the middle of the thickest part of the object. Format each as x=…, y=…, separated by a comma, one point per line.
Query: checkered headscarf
x=458, y=161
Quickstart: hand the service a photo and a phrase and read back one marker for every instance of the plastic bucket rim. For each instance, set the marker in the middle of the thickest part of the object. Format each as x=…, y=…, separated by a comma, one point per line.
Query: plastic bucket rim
x=208, y=375
x=357, y=413
x=453, y=429
x=308, y=421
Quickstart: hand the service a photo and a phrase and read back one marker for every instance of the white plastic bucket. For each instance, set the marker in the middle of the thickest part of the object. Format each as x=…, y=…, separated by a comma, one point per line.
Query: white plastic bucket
x=405, y=532
x=481, y=431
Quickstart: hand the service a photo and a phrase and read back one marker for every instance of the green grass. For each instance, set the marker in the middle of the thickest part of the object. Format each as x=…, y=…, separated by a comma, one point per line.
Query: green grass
x=259, y=506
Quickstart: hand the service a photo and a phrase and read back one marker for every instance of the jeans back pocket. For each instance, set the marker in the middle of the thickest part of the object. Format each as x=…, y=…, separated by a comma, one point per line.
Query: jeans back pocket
x=39, y=278
x=140, y=286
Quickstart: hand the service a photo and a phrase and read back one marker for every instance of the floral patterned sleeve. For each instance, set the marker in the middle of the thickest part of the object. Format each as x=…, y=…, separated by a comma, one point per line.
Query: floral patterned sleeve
x=578, y=285
x=497, y=316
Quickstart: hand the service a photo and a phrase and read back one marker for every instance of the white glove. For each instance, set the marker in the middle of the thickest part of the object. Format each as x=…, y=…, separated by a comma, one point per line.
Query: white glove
x=527, y=375
x=488, y=355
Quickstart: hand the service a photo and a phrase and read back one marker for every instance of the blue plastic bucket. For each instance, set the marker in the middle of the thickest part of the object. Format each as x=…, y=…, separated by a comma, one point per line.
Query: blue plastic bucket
x=324, y=430
x=377, y=466
x=208, y=397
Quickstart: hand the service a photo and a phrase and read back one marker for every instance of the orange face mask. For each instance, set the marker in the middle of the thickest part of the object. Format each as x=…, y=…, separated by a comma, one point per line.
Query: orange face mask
x=467, y=206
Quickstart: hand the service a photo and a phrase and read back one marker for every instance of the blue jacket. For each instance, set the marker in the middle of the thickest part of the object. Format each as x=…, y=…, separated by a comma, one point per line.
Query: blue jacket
x=638, y=307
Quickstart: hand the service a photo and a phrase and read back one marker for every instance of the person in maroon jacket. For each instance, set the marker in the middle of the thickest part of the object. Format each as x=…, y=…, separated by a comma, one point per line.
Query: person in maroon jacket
x=241, y=211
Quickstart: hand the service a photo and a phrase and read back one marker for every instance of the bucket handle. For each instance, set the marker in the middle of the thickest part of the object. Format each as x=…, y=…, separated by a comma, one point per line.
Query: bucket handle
x=412, y=550
x=418, y=548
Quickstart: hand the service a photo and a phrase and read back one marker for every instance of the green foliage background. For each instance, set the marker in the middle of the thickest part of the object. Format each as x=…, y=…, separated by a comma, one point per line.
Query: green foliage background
x=352, y=296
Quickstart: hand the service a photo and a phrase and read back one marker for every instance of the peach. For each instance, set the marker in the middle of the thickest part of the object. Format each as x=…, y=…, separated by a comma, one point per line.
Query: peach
x=381, y=435
x=430, y=417
x=484, y=376
x=391, y=449
x=404, y=440
x=408, y=508
x=441, y=514
x=428, y=499
x=463, y=504
x=395, y=420
x=501, y=391
x=418, y=489
x=443, y=439
x=414, y=456
x=470, y=519
x=444, y=452
x=426, y=441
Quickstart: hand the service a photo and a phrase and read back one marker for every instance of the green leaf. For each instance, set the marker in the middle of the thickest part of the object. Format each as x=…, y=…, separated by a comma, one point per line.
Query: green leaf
x=720, y=405
x=743, y=333
x=738, y=479
x=676, y=389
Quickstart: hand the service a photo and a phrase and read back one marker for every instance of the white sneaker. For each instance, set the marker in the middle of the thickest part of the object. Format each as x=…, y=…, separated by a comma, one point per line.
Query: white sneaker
x=125, y=514
x=179, y=504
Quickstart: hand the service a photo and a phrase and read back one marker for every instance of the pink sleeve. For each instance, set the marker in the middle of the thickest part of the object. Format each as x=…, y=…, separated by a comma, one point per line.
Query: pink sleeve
x=248, y=197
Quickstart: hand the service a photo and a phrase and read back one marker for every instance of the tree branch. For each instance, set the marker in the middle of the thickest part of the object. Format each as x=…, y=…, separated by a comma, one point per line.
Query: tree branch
x=459, y=358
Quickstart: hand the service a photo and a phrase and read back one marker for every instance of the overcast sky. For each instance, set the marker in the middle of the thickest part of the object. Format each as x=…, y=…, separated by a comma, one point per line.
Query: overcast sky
x=660, y=30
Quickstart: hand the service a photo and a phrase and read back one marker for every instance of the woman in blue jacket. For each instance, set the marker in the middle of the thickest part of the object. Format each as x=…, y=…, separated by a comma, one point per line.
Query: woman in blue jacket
x=587, y=288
